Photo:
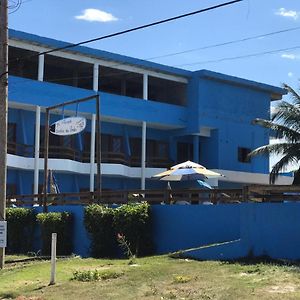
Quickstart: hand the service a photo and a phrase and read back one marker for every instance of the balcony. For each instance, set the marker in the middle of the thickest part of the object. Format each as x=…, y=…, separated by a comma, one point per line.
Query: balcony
x=59, y=152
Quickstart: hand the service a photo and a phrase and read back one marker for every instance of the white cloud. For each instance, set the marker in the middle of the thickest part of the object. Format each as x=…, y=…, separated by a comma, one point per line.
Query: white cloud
x=290, y=56
x=287, y=13
x=96, y=15
x=290, y=74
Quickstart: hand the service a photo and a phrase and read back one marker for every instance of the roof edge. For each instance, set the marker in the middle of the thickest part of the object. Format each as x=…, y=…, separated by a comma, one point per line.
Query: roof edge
x=101, y=54
x=275, y=92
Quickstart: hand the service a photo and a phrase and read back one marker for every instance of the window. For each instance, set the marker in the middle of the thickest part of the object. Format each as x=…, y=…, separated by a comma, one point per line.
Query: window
x=243, y=155
x=167, y=91
x=158, y=149
x=121, y=82
x=23, y=63
x=68, y=72
x=136, y=147
x=184, y=152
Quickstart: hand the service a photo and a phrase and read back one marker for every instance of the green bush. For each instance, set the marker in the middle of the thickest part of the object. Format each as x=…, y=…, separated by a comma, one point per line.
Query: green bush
x=20, y=229
x=134, y=222
x=131, y=220
x=98, y=220
x=60, y=223
x=95, y=275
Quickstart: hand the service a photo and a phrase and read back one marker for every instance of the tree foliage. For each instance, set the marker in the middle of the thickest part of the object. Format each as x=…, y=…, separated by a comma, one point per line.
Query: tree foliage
x=285, y=123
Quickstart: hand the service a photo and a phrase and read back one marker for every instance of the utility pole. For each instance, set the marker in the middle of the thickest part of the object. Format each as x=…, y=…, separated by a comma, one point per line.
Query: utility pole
x=3, y=111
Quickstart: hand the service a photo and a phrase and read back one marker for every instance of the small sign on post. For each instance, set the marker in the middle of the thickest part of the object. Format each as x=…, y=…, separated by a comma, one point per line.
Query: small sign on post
x=3, y=234
x=53, y=259
x=68, y=126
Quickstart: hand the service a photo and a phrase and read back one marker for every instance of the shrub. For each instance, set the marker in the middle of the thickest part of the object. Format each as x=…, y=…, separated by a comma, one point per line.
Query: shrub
x=89, y=275
x=20, y=229
x=133, y=221
x=61, y=223
x=98, y=220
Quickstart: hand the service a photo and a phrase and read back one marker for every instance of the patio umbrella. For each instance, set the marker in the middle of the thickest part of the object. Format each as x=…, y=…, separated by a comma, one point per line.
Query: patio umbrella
x=187, y=171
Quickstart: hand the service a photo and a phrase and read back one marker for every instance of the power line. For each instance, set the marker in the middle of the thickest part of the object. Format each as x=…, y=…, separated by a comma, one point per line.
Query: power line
x=226, y=43
x=239, y=57
x=135, y=28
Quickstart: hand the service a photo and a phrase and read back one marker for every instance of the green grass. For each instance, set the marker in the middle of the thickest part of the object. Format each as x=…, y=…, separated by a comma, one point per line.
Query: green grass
x=158, y=277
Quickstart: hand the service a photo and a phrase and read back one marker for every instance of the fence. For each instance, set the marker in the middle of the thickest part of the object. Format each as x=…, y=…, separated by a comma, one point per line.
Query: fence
x=253, y=193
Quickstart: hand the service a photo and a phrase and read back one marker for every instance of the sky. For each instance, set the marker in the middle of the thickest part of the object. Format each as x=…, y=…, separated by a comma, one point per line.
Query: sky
x=78, y=20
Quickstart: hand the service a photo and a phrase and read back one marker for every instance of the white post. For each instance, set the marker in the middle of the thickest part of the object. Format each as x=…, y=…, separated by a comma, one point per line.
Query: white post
x=92, y=153
x=53, y=259
x=37, y=150
x=96, y=77
x=144, y=127
x=41, y=67
x=145, y=86
x=143, y=158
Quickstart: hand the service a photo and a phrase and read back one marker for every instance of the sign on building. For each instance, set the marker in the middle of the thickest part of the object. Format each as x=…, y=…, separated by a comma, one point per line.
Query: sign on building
x=68, y=126
x=3, y=233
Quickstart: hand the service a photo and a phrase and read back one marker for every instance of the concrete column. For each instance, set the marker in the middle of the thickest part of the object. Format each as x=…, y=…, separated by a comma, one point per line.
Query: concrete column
x=37, y=150
x=92, y=154
x=196, y=148
x=96, y=77
x=145, y=86
x=143, y=160
x=41, y=67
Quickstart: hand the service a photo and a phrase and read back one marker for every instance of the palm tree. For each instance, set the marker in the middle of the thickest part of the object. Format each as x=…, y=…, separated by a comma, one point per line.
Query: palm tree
x=285, y=123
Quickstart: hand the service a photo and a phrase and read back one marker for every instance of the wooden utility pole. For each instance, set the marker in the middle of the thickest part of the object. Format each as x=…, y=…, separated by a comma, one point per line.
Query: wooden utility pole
x=3, y=111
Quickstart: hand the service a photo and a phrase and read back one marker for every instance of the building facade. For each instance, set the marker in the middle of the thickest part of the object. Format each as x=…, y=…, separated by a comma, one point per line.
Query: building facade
x=152, y=116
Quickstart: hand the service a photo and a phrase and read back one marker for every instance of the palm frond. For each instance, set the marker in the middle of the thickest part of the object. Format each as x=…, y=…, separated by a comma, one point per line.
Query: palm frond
x=288, y=115
x=280, y=165
x=289, y=134
x=278, y=148
x=294, y=95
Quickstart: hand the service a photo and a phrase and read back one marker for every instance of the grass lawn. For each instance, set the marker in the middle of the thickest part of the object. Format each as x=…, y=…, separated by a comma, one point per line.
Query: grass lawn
x=157, y=277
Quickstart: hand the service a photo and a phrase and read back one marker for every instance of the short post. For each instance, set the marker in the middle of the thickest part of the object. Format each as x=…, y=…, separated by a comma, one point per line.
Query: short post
x=53, y=259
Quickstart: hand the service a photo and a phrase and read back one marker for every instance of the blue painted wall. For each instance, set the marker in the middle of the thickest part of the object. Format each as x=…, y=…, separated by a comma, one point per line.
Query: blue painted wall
x=178, y=227
x=269, y=229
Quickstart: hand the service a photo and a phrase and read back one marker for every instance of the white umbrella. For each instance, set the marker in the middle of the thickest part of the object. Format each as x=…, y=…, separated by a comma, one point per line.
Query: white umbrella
x=187, y=171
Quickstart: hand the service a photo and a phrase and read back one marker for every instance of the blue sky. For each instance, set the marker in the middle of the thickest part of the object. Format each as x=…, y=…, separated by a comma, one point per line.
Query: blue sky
x=76, y=20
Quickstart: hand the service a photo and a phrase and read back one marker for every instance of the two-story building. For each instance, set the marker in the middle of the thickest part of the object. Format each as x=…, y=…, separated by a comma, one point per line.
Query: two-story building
x=152, y=116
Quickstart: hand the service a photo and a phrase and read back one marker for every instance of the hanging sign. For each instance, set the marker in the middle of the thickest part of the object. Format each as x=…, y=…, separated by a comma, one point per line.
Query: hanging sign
x=68, y=126
x=3, y=233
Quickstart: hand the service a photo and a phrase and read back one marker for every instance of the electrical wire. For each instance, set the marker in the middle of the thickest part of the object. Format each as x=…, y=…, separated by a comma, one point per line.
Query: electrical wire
x=226, y=43
x=134, y=29
x=239, y=57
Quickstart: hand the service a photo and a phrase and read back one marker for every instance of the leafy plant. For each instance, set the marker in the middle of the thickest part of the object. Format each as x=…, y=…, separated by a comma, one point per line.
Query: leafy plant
x=61, y=223
x=126, y=247
x=98, y=220
x=133, y=221
x=20, y=229
x=95, y=275
x=181, y=279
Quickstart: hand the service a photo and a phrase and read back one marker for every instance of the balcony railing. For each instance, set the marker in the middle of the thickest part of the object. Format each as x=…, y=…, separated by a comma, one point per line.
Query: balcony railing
x=63, y=152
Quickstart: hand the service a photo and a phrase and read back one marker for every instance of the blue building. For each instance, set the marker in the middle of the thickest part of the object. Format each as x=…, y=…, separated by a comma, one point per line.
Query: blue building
x=152, y=116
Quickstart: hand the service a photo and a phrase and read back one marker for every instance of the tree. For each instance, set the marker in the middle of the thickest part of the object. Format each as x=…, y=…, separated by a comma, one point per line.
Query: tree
x=285, y=123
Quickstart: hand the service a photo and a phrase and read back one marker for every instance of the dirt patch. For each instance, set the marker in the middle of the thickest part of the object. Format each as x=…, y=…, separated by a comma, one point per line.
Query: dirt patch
x=28, y=298
x=281, y=289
